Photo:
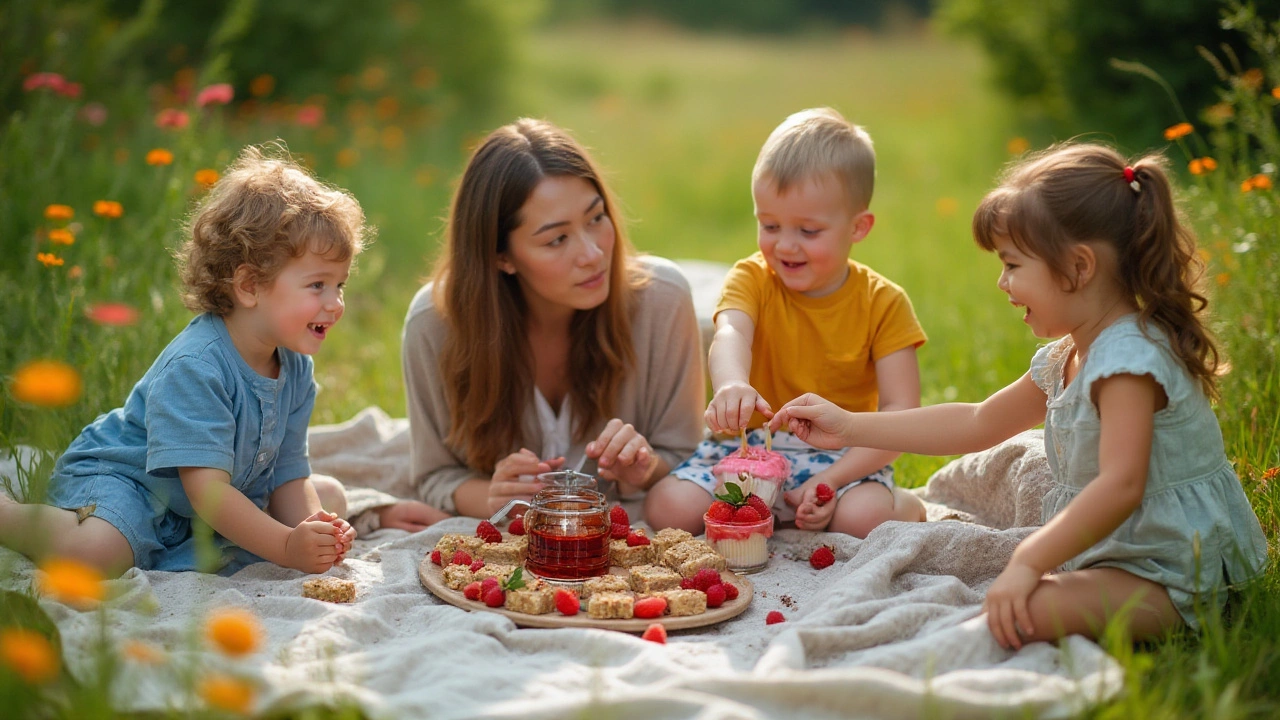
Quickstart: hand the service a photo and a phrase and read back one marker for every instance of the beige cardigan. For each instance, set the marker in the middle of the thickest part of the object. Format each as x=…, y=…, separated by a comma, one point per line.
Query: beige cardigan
x=663, y=396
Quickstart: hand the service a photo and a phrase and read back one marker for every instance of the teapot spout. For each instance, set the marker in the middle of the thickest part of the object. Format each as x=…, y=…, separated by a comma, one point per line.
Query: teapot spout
x=501, y=514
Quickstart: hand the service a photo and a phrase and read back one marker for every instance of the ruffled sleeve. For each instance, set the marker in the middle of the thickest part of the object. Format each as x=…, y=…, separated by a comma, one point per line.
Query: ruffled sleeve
x=1130, y=352
x=1042, y=367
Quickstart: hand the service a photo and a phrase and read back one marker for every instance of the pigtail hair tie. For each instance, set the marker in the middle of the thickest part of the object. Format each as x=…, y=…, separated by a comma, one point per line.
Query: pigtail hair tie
x=1132, y=179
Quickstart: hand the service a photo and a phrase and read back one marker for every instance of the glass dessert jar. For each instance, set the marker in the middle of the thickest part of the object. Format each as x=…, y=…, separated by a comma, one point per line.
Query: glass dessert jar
x=755, y=470
x=744, y=546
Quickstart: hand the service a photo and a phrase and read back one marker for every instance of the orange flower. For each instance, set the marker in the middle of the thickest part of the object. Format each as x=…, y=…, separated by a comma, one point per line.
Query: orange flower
x=1257, y=182
x=227, y=693
x=76, y=272
x=29, y=654
x=61, y=236
x=1271, y=474
x=1017, y=145
x=159, y=156
x=70, y=582
x=49, y=259
x=347, y=157
x=1209, y=164
x=1174, y=132
x=262, y=85
x=46, y=382
x=59, y=212
x=143, y=653
x=111, y=208
x=206, y=177
x=117, y=314
x=1252, y=78
x=1275, y=92
x=234, y=631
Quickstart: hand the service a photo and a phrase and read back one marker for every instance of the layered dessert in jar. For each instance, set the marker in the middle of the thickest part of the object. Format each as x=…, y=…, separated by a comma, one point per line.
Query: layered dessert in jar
x=755, y=470
x=738, y=526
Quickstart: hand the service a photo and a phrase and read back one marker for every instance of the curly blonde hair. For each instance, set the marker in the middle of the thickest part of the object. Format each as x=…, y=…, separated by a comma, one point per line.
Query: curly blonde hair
x=264, y=211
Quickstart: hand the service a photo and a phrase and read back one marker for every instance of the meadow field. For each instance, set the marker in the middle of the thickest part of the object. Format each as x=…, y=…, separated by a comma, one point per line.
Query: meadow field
x=675, y=120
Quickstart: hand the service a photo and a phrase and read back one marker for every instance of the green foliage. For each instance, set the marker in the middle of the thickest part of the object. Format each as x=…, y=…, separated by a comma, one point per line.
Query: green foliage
x=757, y=16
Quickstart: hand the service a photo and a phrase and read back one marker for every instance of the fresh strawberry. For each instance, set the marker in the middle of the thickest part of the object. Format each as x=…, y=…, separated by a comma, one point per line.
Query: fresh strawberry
x=495, y=597
x=618, y=515
x=687, y=584
x=435, y=557
x=650, y=607
x=487, y=583
x=488, y=533
x=517, y=526
x=825, y=494
x=476, y=565
x=774, y=617
x=716, y=595
x=720, y=511
x=461, y=557
x=730, y=591
x=636, y=537
x=746, y=515
x=758, y=503
x=619, y=531
x=567, y=602
x=823, y=557
x=472, y=591
x=655, y=633
x=705, y=578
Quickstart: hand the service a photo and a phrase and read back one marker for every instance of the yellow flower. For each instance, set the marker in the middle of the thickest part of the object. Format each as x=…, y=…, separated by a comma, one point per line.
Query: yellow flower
x=946, y=206
x=206, y=177
x=159, y=156
x=59, y=212
x=1174, y=132
x=234, y=631
x=46, y=382
x=143, y=653
x=49, y=259
x=111, y=208
x=29, y=654
x=70, y=582
x=227, y=693
x=61, y=236
x=1017, y=145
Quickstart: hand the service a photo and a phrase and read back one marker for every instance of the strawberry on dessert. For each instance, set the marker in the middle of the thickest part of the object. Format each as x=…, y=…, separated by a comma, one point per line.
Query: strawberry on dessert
x=738, y=528
x=755, y=470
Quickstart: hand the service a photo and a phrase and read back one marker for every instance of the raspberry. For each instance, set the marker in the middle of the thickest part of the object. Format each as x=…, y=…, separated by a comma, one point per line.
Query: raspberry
x=823, y=557
x=705, y=578
x=435, y=557
x=517, y=526
x=655, y=633
x=494, y=597
x=567, y=602
x=716, y=595
x=472, y=591
x=757, y=502
x=461, y=557
x=476, y=565
x=618, y=531
x=489, y=583
x=488, y=533
x=825, y=494
x=774, y=617
x=618, y=515
x=720, y=511
x=746, y=515
x=650, y=607
x=730, y=591
x=687, y=584
x=637, y=538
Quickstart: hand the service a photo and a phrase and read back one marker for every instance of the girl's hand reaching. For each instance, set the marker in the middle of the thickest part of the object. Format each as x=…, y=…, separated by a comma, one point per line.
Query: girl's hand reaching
x=816, y=421
x=1006, y=604
x=731, y=408
x=515, y=476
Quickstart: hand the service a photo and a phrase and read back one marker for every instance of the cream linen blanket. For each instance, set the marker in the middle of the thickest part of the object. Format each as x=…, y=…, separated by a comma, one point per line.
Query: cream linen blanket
x=889, y=631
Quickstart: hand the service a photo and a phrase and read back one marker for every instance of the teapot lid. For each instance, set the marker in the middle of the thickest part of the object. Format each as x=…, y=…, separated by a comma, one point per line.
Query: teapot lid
x=568, y=480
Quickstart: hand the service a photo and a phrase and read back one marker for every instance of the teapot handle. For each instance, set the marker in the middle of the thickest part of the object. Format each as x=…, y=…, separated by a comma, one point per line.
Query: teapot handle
x=498, y=516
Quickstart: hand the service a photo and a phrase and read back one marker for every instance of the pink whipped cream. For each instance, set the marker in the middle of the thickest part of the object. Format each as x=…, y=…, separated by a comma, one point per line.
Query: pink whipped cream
x=757, y=462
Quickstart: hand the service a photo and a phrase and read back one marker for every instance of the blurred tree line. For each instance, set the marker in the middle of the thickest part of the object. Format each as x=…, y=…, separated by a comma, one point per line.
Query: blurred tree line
x=756, y=16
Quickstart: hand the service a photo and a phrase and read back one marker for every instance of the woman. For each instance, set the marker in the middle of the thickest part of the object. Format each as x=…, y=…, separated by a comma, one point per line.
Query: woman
x=542, y=341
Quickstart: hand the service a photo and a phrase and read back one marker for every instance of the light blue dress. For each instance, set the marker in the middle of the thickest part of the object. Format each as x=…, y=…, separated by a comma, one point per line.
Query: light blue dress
x=1195, y=530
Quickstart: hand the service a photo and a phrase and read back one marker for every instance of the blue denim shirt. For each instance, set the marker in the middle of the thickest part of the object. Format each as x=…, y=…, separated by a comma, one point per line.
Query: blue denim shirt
x=201, y=405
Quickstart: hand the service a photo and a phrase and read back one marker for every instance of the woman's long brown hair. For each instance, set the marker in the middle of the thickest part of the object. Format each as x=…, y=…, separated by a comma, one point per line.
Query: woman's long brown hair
x=486, y=364
x=1074, y=193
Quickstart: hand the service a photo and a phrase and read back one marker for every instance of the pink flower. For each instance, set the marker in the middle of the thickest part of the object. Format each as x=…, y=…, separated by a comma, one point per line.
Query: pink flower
x=94, y=113
x=171, y=118
x=70, y=90
x=219, y=94
x=117, y=314
x=53, y=81
x=310, y=115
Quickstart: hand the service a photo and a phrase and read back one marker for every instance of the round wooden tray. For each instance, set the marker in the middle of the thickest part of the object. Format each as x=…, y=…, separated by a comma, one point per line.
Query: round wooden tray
x=430, y=574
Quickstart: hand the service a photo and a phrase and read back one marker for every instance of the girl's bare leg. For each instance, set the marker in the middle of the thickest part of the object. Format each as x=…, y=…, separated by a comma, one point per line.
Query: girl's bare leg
x=1081, y=602
x=676, y=503
x=41, y=531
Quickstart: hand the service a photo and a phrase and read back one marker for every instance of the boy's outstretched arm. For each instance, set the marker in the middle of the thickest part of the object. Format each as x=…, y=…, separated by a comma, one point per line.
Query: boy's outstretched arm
x=729, y=361
x=311, y=547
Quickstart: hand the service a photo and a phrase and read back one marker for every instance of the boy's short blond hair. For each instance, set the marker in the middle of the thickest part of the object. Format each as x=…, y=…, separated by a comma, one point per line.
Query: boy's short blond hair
x=264, y=211
x=817, y=142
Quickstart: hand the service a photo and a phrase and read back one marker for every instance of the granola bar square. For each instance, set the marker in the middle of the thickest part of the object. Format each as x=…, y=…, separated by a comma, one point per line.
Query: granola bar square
x=506, y=553
x=329, y=589
x=690, y=567
x=685, y=602
x=452, y=542
x=624, y=555
x=653, y=578
x=611, y=605
x=668, y=538
x=535, y=598
x=676, y=556
x=495, y=570
x=605, y=583
x=457, y=576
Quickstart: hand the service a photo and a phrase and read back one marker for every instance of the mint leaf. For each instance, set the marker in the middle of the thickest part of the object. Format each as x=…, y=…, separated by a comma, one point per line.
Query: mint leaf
x=516, y=581
x=733, y=495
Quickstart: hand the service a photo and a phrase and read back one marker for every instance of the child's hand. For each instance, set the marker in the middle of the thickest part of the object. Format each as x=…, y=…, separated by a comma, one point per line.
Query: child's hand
x=816, y=421
x=731, y=408
x=313, y=545
x=1006, y=604
x=346, y=536
x=809, y=514
x=623, y=454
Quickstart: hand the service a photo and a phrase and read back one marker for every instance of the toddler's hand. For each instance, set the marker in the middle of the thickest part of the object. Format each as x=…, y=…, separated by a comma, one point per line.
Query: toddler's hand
x=731, y=408
x=816, y=421
x=313, y=545
x=809, y=514
x=1006, y=604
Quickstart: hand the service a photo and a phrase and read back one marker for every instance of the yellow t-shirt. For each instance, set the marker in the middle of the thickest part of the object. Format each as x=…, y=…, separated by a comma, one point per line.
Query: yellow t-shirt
x=827, y=345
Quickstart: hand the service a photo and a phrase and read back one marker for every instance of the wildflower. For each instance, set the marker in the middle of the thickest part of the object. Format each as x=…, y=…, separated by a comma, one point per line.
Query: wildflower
x=1200, y=166
x=46, y=382
x=219, y=94
x=59, y=212
x=347, y=157
x=946, y=206
x=1275, y=92
x=310, y=115
x=143, y=653
x=61, y=236
x=76, y=272
x=392, y=138
x=71, y=90
x=262, y=85
x=1017, y=145
x=115, y=314
x=386, y=107
x=373, y=77
x=94, y=113
x=29, y=654
x=206, y=177
x=1222, y=278
x=226, y=693
x=1270, y=474
x=35, y=81
x=1252, y=78
x=70, y=582
x=234, y=631
x=1180, y=130
x=159, y=156
x=49, y=259
x=172, y=119
x=110, y=208
x=1257, y=182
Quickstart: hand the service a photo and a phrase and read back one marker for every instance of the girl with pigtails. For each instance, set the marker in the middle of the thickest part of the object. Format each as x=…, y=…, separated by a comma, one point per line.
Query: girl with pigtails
x=1146, y=514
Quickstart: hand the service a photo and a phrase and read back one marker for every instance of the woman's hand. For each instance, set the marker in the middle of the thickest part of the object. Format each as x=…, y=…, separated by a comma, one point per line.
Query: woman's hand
x=409, y=515
x=516, y=477
x=1006, y=605
x=623, y=455
x=731, y=408
x=816, y=421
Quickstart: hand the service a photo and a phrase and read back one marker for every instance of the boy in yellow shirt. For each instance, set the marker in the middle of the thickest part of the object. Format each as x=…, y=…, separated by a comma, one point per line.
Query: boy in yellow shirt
x=801, y=316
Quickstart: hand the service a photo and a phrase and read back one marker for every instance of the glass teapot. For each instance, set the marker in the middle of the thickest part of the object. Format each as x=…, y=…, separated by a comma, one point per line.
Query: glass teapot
x=567, y=524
